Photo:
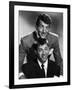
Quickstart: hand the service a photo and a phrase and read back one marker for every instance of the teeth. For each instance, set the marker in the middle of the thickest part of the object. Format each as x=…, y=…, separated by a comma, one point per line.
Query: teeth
x=43, y=56
x=43, y=34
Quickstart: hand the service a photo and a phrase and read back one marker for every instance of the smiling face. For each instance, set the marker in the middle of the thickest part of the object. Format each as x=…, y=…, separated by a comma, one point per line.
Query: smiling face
x=43, y=51
x=43, y=29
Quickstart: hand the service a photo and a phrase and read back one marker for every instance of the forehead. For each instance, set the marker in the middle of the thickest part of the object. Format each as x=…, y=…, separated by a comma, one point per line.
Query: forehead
x=43, y=23
x=43, y=46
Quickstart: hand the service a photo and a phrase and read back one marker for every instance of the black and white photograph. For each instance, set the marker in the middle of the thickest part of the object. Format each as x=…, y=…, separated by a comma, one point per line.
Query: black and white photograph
x=38, y=38
x=39, y=54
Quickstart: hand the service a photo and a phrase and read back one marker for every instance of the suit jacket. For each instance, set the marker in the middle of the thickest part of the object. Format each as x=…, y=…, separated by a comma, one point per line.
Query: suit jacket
x=29, y=40
x=33, y=70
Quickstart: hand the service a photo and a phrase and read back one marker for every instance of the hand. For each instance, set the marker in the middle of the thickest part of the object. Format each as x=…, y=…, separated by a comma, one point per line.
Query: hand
x=22, y=77
x=51, y=51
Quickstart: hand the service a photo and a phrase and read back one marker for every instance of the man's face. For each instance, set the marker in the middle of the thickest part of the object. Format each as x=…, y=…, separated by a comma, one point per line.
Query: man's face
x=43, y=51
x=43, y=29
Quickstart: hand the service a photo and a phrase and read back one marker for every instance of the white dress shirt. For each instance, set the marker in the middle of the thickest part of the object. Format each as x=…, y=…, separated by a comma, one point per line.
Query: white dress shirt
x=45, y=66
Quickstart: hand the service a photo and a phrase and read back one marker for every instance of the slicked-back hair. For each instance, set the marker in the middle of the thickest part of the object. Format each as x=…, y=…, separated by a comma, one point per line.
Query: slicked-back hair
x=45, y=18
x=40, y=42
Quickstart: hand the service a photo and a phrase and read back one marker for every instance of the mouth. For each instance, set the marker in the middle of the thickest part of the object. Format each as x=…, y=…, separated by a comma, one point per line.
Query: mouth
x=44, y=56
x=43, y=34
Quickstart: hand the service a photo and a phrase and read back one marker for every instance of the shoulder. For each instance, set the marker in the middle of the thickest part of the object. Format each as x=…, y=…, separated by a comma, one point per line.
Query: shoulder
x=53, y=64
x=53, y=38
x=28, y=66
x=27, y=37
x=55, y=68
x=53, y=34
x=28, y=40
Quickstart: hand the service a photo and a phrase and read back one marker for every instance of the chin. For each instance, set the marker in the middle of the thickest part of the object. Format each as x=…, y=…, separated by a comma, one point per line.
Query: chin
x=44, y=60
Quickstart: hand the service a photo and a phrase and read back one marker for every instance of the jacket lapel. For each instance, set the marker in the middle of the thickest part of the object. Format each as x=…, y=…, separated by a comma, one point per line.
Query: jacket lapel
x=38, y=71
x=50, y=72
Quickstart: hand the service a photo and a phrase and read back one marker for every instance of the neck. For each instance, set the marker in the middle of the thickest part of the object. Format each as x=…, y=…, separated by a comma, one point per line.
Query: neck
x=42, y=61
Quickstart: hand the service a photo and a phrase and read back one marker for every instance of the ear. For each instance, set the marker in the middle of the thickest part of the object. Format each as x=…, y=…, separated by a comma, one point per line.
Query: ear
x=51, y=51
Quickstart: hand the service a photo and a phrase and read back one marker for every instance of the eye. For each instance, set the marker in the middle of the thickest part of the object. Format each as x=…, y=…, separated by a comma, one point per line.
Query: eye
x=46, y=48
x=39, y=49
x=40, y=26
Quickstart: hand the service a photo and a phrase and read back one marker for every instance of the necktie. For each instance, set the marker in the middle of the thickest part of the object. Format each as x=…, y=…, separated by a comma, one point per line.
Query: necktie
x=43, y=71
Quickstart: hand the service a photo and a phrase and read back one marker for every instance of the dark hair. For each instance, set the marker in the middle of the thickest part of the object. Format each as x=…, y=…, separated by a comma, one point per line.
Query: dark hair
x=45, y=18
x=40, y=42
x=33, y=50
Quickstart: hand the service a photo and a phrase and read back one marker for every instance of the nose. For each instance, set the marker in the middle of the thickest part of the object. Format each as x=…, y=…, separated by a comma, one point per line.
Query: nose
x=43, y=52
x=44, y=30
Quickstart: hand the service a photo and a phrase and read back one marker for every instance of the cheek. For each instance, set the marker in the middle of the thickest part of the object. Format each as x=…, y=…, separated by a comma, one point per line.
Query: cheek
x=47, y=30
x=40, y=54
x=47, y=52
x=40, y=31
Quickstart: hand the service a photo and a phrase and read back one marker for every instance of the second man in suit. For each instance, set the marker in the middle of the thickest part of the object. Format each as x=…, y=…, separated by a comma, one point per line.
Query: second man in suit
x=42, y=66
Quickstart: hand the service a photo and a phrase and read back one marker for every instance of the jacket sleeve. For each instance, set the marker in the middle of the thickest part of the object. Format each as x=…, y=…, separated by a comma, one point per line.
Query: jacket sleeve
x=57, y=56
x=57, y=70
x=22, y=55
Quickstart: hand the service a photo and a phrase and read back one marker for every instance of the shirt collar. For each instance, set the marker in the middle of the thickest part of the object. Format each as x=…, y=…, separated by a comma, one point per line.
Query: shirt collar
x=45, y=64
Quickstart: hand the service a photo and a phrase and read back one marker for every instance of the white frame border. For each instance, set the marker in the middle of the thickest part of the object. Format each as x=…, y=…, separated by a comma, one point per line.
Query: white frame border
x=16, y=50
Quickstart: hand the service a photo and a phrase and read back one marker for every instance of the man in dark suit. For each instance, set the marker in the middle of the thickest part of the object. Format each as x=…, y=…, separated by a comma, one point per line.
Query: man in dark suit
x=42, y=31
x=42, y=66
